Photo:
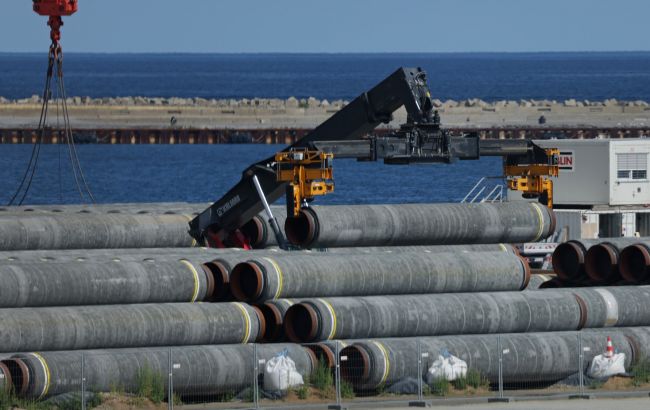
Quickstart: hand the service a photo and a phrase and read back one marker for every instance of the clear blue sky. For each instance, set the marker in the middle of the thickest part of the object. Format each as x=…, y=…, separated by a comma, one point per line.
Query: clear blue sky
x=335, y=26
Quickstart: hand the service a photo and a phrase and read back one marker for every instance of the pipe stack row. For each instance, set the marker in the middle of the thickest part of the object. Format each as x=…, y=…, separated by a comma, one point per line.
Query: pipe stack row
x=602, y=262
x=113, y=227
x=380, y=276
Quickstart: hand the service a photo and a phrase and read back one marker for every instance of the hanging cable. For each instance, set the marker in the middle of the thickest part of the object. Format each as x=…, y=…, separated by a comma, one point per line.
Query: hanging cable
x=55, y=60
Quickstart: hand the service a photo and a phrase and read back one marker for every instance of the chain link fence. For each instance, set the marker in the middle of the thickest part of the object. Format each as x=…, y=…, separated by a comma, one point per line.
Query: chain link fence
x=334, y=375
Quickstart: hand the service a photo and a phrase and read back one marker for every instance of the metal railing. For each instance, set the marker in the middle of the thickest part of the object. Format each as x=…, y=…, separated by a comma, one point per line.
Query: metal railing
x=476, y=193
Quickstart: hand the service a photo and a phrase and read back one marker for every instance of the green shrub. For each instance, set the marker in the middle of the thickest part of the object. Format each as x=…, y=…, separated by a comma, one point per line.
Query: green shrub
x=303, y=392
x=460, y=383
x=476, y=379
x=322, y=379
x=150, y=385
x=440, y=387
x=347, y=392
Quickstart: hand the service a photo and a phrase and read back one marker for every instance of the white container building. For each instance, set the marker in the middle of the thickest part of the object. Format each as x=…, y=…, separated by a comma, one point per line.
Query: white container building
x=603, y=189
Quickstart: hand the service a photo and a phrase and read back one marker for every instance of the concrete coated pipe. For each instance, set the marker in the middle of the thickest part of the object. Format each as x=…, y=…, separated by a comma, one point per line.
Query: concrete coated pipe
x=129, y=208
x=315, y=320
x=85, y=231
x=621, y=306
x=273, y=312
x=420, y=224
x=108, y=283
x=493, y=247
x=95, y=327
x=531, y=357
x=201, y=370
x=111, y=255
x=298, y=275
x=601, y=261
x=634, y=264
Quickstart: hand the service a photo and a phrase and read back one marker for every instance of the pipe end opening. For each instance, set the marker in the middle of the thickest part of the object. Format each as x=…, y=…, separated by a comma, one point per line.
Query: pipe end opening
x=255, y=230
x=568, y=260
x=19, y=373
x=246, y=281
x=601, y=262
x=218, y=272
x=273, y=319
x=634, y=263
x=301, y=323
x=356, y=369
x=301, y=230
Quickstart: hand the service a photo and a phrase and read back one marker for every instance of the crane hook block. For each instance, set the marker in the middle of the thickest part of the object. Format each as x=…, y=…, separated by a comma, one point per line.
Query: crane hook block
x=55, y=7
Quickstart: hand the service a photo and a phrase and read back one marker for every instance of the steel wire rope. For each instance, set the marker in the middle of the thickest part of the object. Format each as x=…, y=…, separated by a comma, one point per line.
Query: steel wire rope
x=68, y=130
x=59, y=78
x=41, y=130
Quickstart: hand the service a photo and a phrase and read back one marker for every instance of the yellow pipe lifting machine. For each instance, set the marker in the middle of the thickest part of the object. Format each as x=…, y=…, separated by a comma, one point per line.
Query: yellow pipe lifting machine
x=303, y=170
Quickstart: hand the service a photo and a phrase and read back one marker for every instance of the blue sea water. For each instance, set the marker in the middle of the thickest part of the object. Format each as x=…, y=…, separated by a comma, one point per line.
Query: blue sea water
x=204, y=173
x=195, y=173
x=490, y=76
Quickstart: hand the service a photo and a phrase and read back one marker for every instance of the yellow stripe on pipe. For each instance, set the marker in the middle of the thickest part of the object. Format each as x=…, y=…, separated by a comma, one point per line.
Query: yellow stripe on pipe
x=333, y=321
x=46, y=370
x=247, y=322
x=192, y=269
x=278, y=272
x=541, y=221
x=381, y=347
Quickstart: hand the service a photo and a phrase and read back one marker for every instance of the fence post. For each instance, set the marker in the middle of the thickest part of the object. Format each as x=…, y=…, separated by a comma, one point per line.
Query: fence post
x=420, y=401
x=581, y=371
x=337, y=378
x=170, y=382
x=337, y=375
x=500, y=351
x=256, y=372
x=419, y=370
x=581, y=362
x=83, y=381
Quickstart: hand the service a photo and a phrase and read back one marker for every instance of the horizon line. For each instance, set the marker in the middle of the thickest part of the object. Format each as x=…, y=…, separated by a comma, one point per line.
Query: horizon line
x=335, y=52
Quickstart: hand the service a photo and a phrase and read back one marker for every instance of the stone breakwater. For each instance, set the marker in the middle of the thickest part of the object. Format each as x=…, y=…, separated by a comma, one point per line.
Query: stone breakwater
x=307, y=113
x=313, y=102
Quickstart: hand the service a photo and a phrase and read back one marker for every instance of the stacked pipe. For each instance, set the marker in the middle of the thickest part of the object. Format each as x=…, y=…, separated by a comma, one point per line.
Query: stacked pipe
x=140, y=325
x=112, y=226
x=450, y=260
x=431, y=271
x=540, y=357
x=313, y=320
x=200, y=370
x=420, y=224
x=600, y=262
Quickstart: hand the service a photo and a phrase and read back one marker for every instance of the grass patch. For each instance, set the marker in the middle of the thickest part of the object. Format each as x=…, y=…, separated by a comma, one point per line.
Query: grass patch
x=440, y=387
x=9, y=401
x=303, y=392
x=347, y=392
x=150, y=384
x=641, y=372
x=322, y=379
x=476, y=380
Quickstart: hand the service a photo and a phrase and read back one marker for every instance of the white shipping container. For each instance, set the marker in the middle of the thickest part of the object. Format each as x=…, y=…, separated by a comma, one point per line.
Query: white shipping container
x=600, y=172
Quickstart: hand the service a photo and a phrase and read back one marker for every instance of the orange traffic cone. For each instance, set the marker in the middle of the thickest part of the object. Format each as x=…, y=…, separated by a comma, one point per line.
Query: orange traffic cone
x=609, y=353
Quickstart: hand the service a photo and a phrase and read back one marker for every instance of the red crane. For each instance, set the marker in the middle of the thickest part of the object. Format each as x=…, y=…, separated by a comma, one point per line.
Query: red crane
x=55, y=9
